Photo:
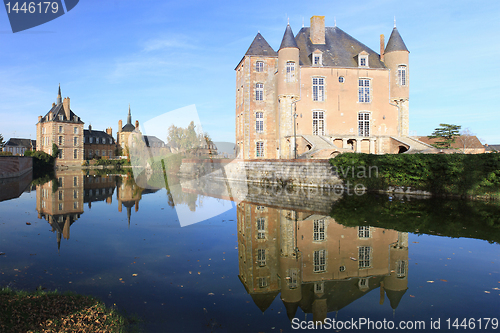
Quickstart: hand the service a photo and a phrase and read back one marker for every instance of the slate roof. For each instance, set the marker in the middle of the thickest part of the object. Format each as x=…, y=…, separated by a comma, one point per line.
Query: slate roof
x=288, y=39
x=260, y=47
x=395, y=42
x=59, y=110
x=492, y=147
x=340, y=49
x=97, y=134
x=153, y=141
x=18, y=142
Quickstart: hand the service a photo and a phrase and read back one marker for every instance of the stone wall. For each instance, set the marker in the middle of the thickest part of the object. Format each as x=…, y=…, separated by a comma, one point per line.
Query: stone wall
x=15, y=166
x=301, y=173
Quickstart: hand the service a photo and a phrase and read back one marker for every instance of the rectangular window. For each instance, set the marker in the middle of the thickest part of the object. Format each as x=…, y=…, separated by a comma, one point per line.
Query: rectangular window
x=75, y=130
x=75, y=141
x=60, y=140
x=259, y=148
x=364, y=232
x=60, y=117
x=60, y=129
x=364, y=124
x=401, y=268
x=364, y=91
x=110, y=153
x=75, y=194
x=363, y=61
x=262, y=282
x=259, y=66
x=60, y=206
x=293, y=278
x=318, y=123
x=319, y=259
x=97, y=152
x=317, y=61
x=290, y=71
x=60, y=195
x=402, y=75
x=318, y=89
x=261, y=257
x=259, y=122
x=75, y=204
x=319, y=230
x=364, y=256
x=75, y=181
x=259, y=92
x=261, y=228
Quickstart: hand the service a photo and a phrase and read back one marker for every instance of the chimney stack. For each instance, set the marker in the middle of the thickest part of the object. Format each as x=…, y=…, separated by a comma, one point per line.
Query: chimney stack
x=66, y=107
x=90, y=128
x=137, y=124
x=317, y=31
x=382, y=47
x=109, y=131
x=39, y=118
x=120, y=125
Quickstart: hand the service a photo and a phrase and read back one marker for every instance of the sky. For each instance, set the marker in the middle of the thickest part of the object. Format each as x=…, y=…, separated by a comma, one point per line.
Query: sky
x=160, y=55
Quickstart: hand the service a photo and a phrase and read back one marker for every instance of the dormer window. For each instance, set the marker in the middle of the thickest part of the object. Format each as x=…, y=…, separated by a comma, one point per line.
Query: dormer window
x=317, y=59
x=363, y=59
x=60, y=117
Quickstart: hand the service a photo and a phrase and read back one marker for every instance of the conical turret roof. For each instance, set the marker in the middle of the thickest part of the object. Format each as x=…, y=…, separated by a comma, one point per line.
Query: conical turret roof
x=260, y=47
x=288, y=38
x=395, y=42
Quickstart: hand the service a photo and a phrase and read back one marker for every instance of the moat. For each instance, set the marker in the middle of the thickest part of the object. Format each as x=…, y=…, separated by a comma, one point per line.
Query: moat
x=181, y=260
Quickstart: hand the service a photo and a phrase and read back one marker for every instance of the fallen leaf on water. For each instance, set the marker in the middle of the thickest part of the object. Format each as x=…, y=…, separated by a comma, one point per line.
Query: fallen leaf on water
x=443, y=280
x=496, y=289
x=430, y=281
x=27, y=223
x=2, y=253
x=211, y=294
x=199, y=273
x=448, y=258
x=190, y=272
x=353, y=259
x=134, y=274
x=415, y=242
x=168, y=255
x=412, y=296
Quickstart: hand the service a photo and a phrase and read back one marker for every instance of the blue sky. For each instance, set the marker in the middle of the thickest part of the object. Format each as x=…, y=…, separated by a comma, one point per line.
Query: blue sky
x=163, y=55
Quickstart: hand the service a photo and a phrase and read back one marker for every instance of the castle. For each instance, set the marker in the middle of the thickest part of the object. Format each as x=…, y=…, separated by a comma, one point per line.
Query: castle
x=321, y=94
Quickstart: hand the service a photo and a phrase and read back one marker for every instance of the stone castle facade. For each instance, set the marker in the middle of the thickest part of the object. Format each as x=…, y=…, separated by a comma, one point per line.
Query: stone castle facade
x=321, y=94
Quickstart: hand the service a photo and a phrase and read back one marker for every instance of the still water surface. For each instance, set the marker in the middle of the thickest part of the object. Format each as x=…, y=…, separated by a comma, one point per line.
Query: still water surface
x=257, y=265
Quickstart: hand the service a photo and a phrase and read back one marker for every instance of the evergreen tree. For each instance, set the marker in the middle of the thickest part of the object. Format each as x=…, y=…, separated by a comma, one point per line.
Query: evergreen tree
x=2, y=143
x=446, y=133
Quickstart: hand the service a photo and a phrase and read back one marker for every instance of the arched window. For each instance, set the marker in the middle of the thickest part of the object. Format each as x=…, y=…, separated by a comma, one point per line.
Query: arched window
x=290, y=71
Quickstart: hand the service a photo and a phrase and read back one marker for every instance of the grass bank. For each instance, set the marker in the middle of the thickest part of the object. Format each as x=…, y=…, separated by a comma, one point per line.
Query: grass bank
x=41, y=311
x=445, y=175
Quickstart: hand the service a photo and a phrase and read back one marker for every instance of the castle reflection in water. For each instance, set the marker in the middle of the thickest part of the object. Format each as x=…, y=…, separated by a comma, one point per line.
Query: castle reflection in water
x=60, y=201
x=304, y=256
x=315, y=263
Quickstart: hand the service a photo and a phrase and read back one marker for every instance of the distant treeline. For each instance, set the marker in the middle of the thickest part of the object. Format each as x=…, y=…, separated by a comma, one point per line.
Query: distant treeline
x=441, y=174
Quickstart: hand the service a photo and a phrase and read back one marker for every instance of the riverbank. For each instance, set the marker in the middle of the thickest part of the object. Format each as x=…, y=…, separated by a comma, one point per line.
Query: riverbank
x=41, y=311
x=450, y=175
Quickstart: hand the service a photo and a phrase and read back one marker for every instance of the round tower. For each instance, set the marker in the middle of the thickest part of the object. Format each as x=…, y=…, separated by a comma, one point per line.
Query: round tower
x=396, y=58
x=288, y=90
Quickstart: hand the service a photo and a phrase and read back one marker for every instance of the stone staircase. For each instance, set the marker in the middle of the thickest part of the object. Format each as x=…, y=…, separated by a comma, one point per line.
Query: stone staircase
x=318, y=143
x=414, y=144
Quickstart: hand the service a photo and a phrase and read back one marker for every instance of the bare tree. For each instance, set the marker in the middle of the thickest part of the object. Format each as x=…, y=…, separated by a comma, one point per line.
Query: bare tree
x=466, y=140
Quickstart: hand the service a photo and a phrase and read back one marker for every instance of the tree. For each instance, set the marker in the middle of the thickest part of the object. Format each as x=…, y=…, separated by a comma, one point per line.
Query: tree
x=55, y=151
x=183, y=138
x=466, y=140
x=447, y=134
x=2, y=143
